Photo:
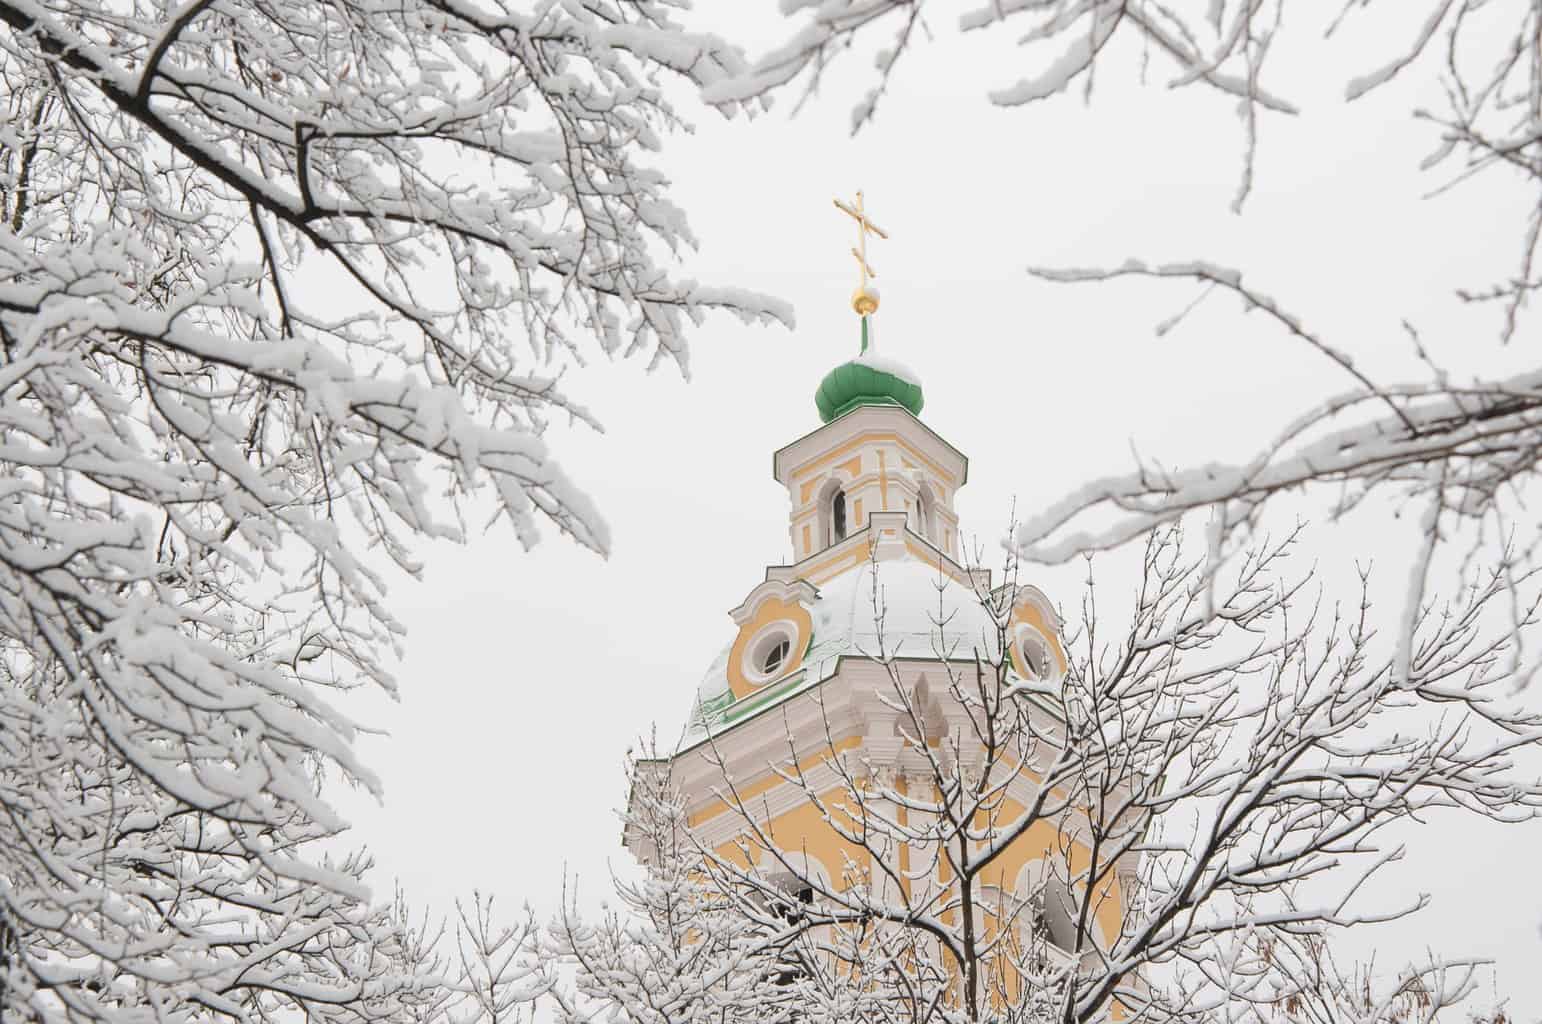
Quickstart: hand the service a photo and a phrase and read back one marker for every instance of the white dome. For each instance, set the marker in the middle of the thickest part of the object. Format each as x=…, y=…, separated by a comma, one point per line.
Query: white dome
x=925, y=614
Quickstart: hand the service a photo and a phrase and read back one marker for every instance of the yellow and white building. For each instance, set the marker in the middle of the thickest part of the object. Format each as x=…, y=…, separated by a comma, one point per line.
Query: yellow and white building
x=797, y=692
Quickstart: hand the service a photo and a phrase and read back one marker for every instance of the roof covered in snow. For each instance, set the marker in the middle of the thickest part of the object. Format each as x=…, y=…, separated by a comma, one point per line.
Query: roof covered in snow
x=921, y=612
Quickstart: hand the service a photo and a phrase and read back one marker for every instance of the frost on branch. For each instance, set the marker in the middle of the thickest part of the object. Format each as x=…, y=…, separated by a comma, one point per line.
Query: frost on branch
x=1455, y=445
x=1219, y=45
x=1206, y=795
x=281, y=284
x=1461, y=454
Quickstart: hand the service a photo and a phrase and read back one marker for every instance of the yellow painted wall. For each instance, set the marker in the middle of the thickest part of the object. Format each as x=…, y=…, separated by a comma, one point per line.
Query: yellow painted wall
x=755, y=789
x=803, y=830
x=832, y=567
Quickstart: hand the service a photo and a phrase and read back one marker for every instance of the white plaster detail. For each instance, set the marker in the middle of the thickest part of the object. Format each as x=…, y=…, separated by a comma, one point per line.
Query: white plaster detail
x=883, y=439
x=772, y=635
x=887, y=532
x=1035, y=656
x=788, y=590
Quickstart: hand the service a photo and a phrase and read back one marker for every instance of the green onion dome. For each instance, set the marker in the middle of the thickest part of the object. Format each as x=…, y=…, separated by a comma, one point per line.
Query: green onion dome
x=867, y=380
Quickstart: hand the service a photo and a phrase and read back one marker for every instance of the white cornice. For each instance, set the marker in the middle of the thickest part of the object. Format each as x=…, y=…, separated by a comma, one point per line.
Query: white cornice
x=863, y=538
x=810, y=726
x=807, y=724
x=870, y=419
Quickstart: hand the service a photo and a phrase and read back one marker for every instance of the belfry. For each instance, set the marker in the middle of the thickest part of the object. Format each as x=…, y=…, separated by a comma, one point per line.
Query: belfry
x=829, y=736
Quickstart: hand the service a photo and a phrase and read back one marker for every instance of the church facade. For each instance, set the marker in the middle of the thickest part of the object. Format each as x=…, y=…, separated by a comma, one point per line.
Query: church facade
x=842, y=745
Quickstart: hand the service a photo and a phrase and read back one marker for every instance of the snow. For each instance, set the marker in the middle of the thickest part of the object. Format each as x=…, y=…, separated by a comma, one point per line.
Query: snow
x=914, y=599
x=1075, y=59
x=285, y=336
x=1365, y=83
x=884, y=364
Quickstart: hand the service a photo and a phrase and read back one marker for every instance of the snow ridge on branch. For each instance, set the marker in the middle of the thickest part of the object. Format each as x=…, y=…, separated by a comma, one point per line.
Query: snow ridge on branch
x=283, y=285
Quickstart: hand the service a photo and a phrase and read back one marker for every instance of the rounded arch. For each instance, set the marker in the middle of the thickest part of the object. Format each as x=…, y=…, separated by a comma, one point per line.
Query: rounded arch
x=1031, y=605
x=834, y=517
x=926, y=514
x=1051, y=912
x=797, y=874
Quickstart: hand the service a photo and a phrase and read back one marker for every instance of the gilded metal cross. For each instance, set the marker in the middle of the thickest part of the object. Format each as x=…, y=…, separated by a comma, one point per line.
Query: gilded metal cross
x=864, y=226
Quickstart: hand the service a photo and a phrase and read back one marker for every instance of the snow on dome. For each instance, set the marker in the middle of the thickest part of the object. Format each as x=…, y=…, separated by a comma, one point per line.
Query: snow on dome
x=867, y=379
x=913, y=596
x=893, y=367
x=714, y=685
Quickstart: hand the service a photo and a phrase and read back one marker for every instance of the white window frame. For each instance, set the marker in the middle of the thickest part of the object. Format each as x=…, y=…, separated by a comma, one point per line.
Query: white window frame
x=760, y=645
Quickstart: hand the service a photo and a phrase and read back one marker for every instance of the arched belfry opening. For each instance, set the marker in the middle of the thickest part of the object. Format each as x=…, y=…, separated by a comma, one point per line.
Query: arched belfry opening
x=835, y=512
x=1050, y=916
x=926, y=515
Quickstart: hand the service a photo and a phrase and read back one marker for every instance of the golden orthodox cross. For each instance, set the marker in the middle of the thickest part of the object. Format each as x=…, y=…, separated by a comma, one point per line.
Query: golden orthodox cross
x=864, y=226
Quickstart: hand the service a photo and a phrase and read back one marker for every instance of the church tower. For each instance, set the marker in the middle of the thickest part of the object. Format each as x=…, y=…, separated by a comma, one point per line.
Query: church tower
x=840, y=707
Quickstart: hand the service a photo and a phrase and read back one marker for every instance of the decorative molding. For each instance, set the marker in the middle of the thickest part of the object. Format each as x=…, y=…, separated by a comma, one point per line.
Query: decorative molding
x=846, y=709
x=881, y=423
x=887, y=532
x=787, y=589
x=1029, y=594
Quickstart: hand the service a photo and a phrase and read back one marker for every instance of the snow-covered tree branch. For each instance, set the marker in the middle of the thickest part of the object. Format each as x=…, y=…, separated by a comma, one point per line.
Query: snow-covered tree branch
x=281, y=284
x=1213, y=783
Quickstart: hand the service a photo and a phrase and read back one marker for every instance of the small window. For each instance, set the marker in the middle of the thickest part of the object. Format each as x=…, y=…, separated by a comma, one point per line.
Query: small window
x=790, y=908
x=926, y=518
x=770, y=653
x=1051, y=916
x=838, y=517
x=775, y=657
x=1033, y=657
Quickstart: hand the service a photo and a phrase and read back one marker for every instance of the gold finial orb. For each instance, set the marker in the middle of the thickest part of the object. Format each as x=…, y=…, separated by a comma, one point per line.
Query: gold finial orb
x=865, y=301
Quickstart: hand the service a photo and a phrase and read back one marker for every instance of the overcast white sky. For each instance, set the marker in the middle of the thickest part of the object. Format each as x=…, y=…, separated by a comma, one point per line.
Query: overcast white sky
x=530, y=674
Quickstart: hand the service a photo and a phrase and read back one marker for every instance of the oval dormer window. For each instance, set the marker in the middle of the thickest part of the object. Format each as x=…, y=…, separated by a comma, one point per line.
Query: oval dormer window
x=1033, y=656
x=769, y=655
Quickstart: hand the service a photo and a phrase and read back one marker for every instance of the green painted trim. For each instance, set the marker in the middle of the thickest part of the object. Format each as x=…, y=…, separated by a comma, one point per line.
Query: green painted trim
x=749, y=704
x=718, y=703
x=761, y=701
